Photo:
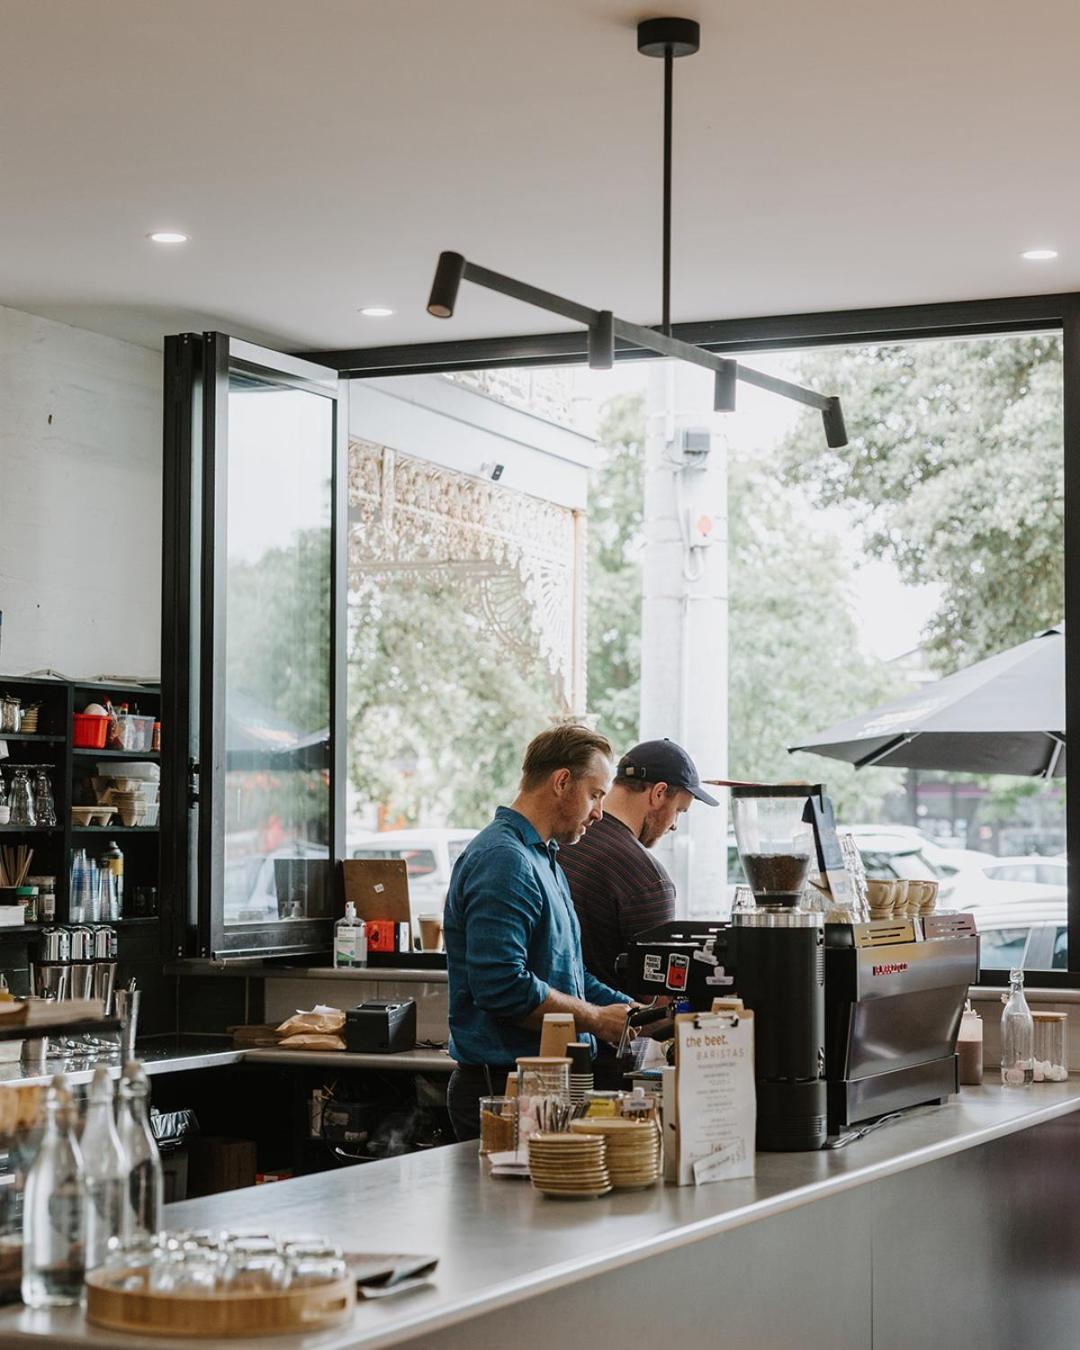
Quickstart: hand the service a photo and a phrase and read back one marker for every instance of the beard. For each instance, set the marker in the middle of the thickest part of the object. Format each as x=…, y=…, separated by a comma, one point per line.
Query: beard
x=652, y=830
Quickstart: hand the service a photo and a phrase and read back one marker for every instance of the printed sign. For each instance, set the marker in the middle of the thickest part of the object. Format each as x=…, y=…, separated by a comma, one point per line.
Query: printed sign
x=716, y=1099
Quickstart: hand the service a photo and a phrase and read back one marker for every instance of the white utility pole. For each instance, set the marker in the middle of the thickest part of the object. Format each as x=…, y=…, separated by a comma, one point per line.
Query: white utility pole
x=684, y=614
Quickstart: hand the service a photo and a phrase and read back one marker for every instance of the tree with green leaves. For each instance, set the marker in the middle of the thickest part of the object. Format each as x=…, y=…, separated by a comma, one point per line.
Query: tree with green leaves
x=954, y=471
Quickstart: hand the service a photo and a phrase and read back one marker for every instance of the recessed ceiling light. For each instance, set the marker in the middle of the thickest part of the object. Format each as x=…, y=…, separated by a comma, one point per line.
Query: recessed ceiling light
x=1039, y=254
x=168, y=237
x=376, y=312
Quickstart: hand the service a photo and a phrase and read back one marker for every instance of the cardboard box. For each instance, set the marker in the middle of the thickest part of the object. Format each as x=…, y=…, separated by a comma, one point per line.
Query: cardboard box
x=220, y=1165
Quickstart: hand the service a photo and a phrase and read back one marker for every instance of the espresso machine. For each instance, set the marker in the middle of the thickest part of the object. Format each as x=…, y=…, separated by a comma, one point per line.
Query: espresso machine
x=852, y=1020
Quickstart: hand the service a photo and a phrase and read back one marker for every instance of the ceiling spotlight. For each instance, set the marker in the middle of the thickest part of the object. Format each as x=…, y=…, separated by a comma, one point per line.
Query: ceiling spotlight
x=1039, y=254
x=168, y=237
x=376, y=312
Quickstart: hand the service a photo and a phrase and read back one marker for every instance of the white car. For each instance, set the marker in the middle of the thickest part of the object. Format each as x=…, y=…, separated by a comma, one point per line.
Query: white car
x=429, y=856
x=1029, y=935
x=1009, y=881
x=946, y=861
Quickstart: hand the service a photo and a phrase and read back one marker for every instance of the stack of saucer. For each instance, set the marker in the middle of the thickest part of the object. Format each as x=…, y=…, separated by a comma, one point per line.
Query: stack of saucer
x=633, y=1150
x=581, y=1071
x=568, y=1166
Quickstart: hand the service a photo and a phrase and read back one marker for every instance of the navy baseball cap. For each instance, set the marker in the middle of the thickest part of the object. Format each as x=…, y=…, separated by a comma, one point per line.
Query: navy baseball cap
x=663, y=762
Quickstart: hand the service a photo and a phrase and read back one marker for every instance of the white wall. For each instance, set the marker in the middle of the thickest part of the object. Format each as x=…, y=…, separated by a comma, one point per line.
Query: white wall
x=80, y=501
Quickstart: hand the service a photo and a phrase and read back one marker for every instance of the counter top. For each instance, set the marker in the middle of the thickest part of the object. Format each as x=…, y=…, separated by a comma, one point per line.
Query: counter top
x=165, y=1056
x=419, y=1060
x=498, y=1241
x=256, y=969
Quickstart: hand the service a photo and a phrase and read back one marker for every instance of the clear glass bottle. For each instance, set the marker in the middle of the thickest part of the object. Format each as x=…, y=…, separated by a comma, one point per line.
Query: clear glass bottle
x=1017, y=1036
x=54, y=1217
x=44, y=802
x=22, y=798
x=105, y=1172
x=145, y=1184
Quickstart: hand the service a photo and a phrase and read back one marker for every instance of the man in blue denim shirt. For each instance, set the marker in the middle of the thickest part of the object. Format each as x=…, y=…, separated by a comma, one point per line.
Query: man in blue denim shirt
x=513, y=943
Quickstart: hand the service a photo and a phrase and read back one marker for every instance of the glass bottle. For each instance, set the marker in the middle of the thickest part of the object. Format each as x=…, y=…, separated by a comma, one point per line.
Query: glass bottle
x=105, y=1172
x=54, y=1219
x=44, y=802
x=22, y=799
x=1017, y=1036
x=145, y=1185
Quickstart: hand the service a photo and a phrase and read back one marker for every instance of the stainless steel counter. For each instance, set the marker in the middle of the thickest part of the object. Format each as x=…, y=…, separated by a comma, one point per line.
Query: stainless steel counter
x=256, y=969
x=791, y=1256
x=164, y=1056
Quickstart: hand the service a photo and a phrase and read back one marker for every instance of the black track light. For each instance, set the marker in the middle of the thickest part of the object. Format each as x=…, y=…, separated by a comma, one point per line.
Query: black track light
x=724, y=387
x=602, y=341
x=835, y=431
x=444, y=289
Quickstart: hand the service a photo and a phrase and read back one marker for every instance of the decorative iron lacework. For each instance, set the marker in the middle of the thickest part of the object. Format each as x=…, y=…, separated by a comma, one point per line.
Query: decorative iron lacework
x=519, y=557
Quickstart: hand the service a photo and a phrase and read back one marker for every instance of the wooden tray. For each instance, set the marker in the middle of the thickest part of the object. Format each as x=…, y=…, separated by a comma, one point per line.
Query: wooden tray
x=205, y=1315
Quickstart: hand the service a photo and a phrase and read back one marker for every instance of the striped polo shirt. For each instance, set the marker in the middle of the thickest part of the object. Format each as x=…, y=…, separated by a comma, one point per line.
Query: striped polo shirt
x=618, y=889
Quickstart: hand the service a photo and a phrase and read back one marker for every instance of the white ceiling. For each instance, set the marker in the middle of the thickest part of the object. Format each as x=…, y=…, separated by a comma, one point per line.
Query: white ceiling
x=320, y=153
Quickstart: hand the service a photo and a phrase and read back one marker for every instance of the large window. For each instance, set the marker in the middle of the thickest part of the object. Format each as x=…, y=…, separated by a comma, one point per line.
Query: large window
x=850, y=579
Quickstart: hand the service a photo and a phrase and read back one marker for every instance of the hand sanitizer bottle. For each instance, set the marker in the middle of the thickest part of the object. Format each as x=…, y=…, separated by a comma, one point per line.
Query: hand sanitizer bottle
x=350, y=939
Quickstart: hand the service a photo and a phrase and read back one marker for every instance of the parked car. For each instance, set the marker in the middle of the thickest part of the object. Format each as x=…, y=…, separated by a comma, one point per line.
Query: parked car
x=946, y=861
x=1029, y=935
x=1002, y=881
x=429, y=856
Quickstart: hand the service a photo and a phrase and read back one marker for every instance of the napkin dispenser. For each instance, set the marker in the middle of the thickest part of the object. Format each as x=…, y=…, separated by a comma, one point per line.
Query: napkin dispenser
x=378, y=1027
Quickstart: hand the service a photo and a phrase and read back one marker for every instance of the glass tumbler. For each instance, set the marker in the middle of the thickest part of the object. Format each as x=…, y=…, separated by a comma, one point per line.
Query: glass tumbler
x=312, y=1263
x=254, y=1264
x=496, y=1124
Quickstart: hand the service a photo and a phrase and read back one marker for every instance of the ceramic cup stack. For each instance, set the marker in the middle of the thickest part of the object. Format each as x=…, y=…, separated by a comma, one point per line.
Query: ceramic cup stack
x=633, y=1149
x=921, y=898
x=881, y=895
x=569, y=1166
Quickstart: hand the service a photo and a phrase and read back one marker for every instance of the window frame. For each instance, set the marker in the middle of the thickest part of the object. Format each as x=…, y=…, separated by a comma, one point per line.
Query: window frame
x=1001, y=316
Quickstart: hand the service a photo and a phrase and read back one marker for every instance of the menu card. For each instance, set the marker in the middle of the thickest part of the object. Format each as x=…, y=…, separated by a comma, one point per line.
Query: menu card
x=715, y=1098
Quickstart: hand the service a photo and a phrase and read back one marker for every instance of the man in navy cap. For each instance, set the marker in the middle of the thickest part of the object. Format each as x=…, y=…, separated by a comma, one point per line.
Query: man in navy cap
x=618, y=888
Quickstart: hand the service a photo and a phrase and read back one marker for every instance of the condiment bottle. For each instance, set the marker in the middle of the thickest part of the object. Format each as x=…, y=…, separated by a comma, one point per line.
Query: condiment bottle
x=969, y=1047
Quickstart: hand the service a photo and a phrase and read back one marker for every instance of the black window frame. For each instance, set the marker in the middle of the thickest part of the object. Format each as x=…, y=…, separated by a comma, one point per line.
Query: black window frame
x=1000, y=316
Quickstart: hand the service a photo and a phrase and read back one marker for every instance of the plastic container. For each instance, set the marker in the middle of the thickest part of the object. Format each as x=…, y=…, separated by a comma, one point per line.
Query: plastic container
x=1051, y=1046
x=543, y=1096
x=131, y=732
x=350, y=939
x=90, y=731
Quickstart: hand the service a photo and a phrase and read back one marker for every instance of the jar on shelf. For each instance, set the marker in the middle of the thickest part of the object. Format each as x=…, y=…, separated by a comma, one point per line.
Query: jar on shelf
x=1051, y=1052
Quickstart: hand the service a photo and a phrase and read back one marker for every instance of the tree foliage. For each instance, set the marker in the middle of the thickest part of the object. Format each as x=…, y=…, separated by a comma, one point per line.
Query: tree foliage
x=954, y=470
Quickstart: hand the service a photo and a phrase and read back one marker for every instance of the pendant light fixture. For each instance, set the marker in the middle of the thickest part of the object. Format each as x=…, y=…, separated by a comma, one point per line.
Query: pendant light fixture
x=667, y=39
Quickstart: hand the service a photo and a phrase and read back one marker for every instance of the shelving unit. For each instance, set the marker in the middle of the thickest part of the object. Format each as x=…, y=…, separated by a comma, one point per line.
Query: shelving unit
x=70, y=769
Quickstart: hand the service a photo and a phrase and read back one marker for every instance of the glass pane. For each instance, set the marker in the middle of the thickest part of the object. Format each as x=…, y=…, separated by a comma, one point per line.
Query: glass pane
x=277, y=654
x=1003, y=948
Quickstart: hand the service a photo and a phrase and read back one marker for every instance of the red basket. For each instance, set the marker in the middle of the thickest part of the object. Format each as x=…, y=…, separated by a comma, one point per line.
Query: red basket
x=90, y=731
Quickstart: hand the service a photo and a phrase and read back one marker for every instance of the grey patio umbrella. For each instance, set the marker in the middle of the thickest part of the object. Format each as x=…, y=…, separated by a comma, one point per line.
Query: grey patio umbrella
x=1002, y=715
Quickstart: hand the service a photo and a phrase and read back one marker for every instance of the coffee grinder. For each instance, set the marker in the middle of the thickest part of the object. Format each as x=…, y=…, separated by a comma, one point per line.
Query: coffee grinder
x=779, y=956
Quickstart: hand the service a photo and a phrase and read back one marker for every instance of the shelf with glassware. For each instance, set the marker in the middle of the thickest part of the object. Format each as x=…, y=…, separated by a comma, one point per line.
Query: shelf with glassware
x=78, y=776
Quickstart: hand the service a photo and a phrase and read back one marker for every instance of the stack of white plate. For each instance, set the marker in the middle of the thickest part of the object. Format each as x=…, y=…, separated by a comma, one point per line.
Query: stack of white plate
x=633, y=1149
x=568, y=1166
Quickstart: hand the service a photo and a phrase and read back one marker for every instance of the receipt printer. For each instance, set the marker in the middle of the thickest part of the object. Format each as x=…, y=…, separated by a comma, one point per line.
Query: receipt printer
x=378, y=1028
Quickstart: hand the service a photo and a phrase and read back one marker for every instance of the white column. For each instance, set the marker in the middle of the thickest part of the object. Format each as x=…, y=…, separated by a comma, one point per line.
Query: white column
x=684, y=655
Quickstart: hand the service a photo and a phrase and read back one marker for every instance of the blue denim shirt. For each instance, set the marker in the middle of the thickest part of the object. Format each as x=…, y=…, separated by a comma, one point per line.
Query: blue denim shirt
x=511, y=936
